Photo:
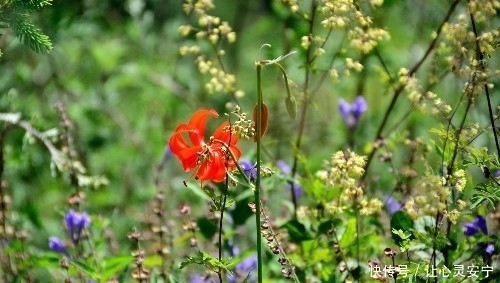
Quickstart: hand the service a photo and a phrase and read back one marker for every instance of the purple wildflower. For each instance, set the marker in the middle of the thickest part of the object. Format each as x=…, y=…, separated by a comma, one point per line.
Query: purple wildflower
x=233, y=250
x=243, y=268
x=358, y=107
x=352, y=112
x=297, y=188
x=478, y=225
x=490, y=248
x=75, y=223
x=57, y=245
x=392, y=205
x=286, y=169
x=167, y=153
x=248, y=168
x=196, y=278
x=247, y=264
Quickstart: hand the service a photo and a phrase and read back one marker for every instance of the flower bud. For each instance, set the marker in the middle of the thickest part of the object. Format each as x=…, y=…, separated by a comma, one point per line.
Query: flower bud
x=291, y=106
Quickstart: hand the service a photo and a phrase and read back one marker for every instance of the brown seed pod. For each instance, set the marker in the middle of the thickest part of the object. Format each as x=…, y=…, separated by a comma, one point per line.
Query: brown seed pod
x=263, y=122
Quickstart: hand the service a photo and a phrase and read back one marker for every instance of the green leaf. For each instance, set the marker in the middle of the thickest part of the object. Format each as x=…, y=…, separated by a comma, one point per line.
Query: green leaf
x=50, y=259
x=208, y=227
x=209, y=261
x=485, y=193
x=401, y=221
x=402, y=234
x=153, y=260
x=112, y=266
x=241, y=212
x=296, y=230
x=349, y=235
x=326, y=226
x=83, y=267
x=31, y=211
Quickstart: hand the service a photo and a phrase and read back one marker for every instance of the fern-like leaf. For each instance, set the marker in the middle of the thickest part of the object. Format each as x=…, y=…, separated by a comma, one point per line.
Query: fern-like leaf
x=30, y=5
x=31, y=36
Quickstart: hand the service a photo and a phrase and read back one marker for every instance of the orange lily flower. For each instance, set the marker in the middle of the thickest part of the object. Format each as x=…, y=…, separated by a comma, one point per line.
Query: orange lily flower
x=211, y=159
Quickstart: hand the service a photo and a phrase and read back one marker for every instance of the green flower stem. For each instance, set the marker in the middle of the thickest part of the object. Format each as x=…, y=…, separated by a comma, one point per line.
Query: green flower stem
x=257, y=181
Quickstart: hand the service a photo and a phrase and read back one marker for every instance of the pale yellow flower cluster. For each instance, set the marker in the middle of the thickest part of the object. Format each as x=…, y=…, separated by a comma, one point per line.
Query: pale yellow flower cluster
x=459, y=46
x=483, y=10
x=366, y=39
x=337, y=13
x=432, y=196
x=305, y=213
x=244, y=128
x=211, y=29
x=423, y=100
x=293, y=5
x=457, y=181
x=340, y=173
x=344, y=13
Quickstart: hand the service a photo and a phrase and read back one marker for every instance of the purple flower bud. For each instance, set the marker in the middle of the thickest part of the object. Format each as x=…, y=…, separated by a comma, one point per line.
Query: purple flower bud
x=57, y=245
x=75, y=223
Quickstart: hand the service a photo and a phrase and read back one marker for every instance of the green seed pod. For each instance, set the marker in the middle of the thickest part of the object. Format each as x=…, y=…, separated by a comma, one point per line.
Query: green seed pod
x=291, y=106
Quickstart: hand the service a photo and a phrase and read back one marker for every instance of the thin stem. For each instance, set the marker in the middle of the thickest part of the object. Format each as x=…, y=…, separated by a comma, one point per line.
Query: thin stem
x=480, y=56
x=226, y=186
x=357, y=239
x=400, y=89
x=305, y=103
x=257, y=181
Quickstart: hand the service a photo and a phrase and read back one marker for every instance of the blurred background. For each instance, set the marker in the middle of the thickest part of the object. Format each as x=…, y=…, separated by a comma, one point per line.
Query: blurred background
x=117, y=70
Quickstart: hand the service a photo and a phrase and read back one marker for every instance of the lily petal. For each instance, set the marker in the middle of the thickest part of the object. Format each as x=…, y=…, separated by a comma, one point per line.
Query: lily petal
x=222, y=133
x=177, y=142
x=199, y=121
x=219, y=167
x=189, y=157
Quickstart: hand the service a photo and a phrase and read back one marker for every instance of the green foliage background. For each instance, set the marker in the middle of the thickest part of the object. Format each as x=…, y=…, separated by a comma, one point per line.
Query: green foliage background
x=116, y=68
